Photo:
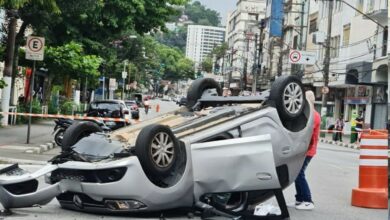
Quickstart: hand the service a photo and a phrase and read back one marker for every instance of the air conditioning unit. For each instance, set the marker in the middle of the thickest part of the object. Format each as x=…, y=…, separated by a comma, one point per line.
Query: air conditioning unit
x=318, y=37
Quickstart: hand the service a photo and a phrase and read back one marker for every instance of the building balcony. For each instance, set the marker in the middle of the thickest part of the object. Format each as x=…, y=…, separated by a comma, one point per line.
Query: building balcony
x=379, y=15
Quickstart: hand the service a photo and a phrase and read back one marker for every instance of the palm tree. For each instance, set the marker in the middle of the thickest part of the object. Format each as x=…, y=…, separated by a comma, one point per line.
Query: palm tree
x=11, y=8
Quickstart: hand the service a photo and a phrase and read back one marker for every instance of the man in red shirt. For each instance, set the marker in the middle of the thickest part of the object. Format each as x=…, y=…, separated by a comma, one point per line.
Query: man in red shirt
x=303, y=199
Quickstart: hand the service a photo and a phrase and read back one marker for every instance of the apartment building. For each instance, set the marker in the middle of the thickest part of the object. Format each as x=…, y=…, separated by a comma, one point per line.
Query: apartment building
x=201, y=40
x=242, y=31
x=359, y=63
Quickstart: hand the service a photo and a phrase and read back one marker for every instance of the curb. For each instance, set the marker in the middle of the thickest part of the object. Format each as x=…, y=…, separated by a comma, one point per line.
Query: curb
x=21, y=161
x=341, y=144
x=42, y=148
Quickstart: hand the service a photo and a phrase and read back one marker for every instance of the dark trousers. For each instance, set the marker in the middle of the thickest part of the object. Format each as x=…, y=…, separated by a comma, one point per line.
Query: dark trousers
x=301, y=185
x=339, y=135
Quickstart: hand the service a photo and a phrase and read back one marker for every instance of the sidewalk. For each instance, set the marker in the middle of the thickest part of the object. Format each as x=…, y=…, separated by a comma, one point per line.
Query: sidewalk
x=345, y=143
x=13, y=142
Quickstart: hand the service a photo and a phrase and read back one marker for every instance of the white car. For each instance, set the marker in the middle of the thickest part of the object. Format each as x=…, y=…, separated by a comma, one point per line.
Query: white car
x=224, y=159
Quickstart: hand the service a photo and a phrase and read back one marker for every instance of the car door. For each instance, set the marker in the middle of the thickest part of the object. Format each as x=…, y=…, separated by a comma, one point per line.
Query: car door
x=239, y=164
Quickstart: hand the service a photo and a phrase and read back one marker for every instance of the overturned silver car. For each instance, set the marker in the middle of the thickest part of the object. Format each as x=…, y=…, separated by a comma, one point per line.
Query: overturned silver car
x=220, y=153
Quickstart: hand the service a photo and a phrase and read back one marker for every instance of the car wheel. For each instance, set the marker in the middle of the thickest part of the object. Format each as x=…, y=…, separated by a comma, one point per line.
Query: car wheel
x=59, y=136
x=289, y=97
x=157, y=148
x=201, y=87
x=77, y=131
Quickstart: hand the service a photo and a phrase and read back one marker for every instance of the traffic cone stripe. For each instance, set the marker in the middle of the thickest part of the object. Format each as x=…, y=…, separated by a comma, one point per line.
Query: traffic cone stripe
x=374, y=157
x=373, y=147
x=373, y=152
x=374, y=142
x=373, y=162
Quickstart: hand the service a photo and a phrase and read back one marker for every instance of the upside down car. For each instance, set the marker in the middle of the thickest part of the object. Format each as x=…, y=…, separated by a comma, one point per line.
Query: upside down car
x=221, y=153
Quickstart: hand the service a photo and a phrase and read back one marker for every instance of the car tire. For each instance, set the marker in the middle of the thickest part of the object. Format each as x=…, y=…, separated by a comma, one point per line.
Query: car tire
x=198, y=87
x=150, y=141
x=59, y=137
x=77, y=131
x=287, y=88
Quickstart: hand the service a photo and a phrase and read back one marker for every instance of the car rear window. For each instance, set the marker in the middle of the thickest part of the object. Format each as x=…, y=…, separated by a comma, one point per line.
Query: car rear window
x=105, y=105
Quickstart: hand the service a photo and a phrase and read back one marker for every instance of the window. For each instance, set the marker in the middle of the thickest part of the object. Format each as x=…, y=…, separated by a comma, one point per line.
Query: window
x=313, y=26
x=346, y=33
x=359, y=6
x=337, y=6
x=334, y=46
x=370, y=6
x=384, y=42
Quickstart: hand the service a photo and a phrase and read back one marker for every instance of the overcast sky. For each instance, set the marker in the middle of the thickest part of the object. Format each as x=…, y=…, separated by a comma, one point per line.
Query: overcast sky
x=222, y=6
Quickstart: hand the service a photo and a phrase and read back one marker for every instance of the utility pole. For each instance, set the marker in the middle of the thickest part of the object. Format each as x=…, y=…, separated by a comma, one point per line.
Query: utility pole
x=231, y=69
x=301, y=66
x=12, y=17
x=256, y=64
x=327, y=58
x=281, y=43
x=246, y=64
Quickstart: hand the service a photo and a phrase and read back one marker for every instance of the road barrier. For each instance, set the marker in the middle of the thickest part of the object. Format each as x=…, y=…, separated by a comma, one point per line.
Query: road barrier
x=373, y=171
x=69, y=117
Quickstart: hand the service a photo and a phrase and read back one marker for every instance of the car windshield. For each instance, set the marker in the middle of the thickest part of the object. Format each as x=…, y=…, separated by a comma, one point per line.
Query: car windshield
x=105, y=105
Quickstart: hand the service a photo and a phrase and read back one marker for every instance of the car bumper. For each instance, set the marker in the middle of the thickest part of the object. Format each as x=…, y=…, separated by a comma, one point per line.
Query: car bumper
x=133, y=186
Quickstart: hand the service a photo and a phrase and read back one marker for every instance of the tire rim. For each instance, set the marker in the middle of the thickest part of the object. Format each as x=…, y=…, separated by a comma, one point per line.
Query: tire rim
x=293, y=98
x=162, y=150
x=59, y=137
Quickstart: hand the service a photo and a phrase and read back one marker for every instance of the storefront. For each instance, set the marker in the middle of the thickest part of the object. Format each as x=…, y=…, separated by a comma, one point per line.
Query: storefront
x=358, y=98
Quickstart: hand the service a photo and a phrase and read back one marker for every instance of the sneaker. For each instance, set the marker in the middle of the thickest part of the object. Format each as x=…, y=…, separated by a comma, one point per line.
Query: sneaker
x=305, y=206
x=293, y=204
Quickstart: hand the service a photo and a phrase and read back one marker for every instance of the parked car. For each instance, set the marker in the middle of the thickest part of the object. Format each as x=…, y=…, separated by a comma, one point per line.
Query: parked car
x=110, y=109
x=133, y=106
x=223, y=158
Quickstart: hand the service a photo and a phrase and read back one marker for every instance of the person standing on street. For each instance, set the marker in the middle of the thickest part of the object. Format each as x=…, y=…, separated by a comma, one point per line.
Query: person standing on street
x=303, y=200
x=339, y=128
x=359, y=124
x=146, y=105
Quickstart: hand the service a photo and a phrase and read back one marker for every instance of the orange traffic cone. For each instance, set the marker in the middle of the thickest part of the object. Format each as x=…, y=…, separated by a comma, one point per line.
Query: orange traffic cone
x=372, y=191
x=158, y=108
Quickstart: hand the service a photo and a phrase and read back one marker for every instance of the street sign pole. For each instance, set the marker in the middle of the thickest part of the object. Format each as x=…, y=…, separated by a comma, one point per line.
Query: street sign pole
x=123, y=89
x=104, y=82
x=31, y=101
x=34, y=51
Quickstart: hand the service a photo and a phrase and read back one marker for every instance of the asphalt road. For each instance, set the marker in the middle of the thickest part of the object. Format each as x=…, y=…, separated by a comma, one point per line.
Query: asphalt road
x=332, y=174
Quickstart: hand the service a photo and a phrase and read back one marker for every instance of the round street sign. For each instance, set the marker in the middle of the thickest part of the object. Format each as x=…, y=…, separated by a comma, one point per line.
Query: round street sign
x=35, y=44
x=295, y=56
x=35, y=48
x=325, y=90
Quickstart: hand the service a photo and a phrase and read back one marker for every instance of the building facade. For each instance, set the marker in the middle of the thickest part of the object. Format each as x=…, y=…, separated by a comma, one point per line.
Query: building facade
x=358, y=73
x=242, y=32
x=201, y=40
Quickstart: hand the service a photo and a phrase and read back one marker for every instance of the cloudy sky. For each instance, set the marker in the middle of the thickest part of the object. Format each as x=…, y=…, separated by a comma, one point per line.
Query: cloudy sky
x=222, y=6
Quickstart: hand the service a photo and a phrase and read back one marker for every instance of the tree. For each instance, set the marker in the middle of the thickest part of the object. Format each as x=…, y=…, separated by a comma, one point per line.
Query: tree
x=2, y=84
x=11, y=8
x=69, y=62
x=207, y=64
x=199, y=14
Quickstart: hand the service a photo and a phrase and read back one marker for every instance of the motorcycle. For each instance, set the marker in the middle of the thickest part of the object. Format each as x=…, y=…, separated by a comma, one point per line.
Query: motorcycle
x=60, y=128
